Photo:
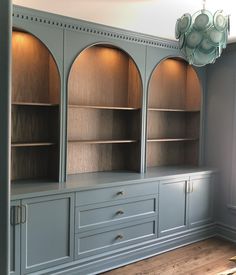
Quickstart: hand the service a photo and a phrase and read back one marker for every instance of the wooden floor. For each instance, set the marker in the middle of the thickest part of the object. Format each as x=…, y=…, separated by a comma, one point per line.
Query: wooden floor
x=203, y=258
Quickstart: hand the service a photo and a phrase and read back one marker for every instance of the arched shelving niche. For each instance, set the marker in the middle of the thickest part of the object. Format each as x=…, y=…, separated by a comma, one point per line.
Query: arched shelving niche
x=35, y=110
x=104, y=108
x=174, y=105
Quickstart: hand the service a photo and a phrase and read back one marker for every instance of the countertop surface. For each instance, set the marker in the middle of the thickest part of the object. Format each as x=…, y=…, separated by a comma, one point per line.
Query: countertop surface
x=79, y=182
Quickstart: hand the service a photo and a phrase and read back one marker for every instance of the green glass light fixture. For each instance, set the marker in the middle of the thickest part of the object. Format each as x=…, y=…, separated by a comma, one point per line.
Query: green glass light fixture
x=202, y=36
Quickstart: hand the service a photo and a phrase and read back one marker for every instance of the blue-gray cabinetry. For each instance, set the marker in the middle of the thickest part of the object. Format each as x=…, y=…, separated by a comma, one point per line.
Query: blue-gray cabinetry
x=96, y=218
x=46, y=233
x=172, y=206
x=201, y=200
x=117, y=217
x=185, y=203
x=15, y=238
x=109, y=219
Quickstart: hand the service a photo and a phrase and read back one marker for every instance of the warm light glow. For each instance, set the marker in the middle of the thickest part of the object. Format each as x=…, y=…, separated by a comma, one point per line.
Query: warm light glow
x=24, y=40
x=173, y=67
x=110, y=56
x=18, y=37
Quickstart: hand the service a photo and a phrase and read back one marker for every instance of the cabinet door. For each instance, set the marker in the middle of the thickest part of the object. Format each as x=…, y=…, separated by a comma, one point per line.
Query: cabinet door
x=15, y=239
x=200, y=201
x=47, y=236
x=172, y=207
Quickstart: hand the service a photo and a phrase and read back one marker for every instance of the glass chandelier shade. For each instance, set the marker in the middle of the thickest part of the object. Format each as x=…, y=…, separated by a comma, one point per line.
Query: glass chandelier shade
x=202, y=36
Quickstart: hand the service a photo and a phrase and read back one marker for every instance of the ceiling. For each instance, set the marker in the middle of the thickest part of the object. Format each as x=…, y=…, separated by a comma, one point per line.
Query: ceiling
x=154, y=17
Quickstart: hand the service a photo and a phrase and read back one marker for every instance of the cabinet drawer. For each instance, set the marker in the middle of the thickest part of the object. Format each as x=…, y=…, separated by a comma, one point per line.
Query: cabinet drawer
x=115, y=193
x=98, y=242
x=104, y=214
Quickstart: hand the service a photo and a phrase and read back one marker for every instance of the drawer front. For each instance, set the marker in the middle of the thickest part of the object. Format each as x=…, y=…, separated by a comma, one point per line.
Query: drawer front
x=104, y=214
x=115, y=193
x=96, y=242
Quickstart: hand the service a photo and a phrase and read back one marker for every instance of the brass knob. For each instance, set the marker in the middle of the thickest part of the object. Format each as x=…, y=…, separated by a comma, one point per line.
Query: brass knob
x=119, y=237
x=120, y=212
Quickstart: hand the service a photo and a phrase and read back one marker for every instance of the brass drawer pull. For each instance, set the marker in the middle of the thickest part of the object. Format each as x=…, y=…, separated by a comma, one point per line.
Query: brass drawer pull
x=120, y=193
x=120, y=212
x=119, y=237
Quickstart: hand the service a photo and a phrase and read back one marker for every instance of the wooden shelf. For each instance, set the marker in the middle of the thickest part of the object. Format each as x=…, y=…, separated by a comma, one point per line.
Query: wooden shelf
x=171, y=139
x=103, y=107
x=104, y=103
x=103, y=141
x=34, y=104
x=173, y=110
x=32, y=144
x=35, y=110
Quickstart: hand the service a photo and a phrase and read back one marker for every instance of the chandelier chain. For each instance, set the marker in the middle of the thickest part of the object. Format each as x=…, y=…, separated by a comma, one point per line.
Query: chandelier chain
x=204, y=4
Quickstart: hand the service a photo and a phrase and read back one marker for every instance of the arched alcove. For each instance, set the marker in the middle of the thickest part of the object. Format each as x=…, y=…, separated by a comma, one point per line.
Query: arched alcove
x=174, y=104
x=35, y=109
x=104, y=103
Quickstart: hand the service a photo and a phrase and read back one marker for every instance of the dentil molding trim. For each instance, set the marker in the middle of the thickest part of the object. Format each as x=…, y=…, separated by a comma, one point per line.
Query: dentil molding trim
x=59, y=21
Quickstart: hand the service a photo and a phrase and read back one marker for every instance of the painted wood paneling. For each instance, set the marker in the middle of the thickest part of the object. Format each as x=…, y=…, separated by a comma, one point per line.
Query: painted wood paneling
x=47, y=234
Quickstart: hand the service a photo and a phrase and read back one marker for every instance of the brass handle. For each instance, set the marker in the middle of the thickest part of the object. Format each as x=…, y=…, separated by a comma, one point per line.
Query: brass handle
x=12, y=215
x=187, y=186
x=120, y=193
x=119, y=237
x=120, y=212
x=23, y=214
x=15, y=215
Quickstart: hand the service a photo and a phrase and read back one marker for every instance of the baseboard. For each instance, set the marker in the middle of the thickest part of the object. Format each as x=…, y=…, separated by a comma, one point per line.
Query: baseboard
x=226, y=232
x=149, y=249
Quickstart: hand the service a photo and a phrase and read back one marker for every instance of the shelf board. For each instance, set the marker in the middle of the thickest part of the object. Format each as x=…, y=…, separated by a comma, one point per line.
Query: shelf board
x=34, y=104
x=103, y=141
x=172, y=110
x=103, y=107
x=171, y=139
x=32, y=144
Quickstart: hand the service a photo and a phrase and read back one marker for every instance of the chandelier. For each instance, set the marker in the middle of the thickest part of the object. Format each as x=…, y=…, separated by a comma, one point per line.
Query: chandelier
x=202, y=36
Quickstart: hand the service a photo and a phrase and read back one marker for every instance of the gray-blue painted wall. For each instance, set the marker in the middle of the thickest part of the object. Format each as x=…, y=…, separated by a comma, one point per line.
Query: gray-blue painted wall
x=220, y=125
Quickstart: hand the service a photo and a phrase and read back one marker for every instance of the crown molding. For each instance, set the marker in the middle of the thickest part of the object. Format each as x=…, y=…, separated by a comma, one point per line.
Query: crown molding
x=67, y=23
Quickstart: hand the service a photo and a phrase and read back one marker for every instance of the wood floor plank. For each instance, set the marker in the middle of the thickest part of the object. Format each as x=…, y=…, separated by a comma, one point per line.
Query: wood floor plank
x=207, y=257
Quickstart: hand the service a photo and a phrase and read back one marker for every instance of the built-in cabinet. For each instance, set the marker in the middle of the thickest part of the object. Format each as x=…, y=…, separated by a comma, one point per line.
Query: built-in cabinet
x=15, y=238
x=114, y=218
x=201, y=200
x=101, y=137
x=174, y=106
x=70, y=228
x=104, y=111
x=173, y=206
x=185, y=203
x=35, y=110
x=43, y=227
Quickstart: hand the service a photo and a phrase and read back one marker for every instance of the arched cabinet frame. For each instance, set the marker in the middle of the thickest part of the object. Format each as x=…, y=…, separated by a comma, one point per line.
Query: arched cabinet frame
x=104, y=88
x=36, y=97
x=174, y=115
x=53, y=38
x=75, y=43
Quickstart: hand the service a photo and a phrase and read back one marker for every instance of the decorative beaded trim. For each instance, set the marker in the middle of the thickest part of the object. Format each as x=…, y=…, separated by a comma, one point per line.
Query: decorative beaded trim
x=92, y=28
